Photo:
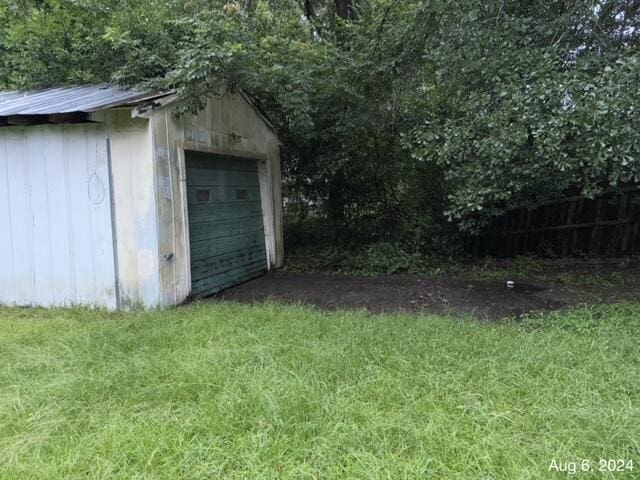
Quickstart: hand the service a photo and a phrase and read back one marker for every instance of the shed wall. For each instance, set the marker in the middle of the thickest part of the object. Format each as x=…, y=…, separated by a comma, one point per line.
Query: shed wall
x=227, y=125
x=135, y=216
x=55, y=217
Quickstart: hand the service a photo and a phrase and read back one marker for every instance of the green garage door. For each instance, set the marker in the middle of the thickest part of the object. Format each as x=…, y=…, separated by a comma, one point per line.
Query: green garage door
x=225, y=222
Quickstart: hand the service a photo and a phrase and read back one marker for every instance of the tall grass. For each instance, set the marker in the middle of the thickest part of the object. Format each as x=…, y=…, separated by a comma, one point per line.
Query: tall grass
x=228, y=391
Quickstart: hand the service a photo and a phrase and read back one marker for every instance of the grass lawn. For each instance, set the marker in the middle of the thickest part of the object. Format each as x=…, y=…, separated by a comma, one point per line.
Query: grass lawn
x=229, y=391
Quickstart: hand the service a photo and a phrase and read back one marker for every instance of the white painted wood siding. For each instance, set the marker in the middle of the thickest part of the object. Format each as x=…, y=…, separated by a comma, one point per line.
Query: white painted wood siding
x=55, y=217
x=136, y=226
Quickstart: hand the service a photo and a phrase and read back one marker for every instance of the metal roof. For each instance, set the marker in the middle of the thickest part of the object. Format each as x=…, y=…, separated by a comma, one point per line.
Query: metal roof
x=85, y=98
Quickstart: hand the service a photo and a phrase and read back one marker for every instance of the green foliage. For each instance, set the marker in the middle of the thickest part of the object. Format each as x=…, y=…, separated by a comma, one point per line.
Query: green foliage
x=366, y=247
x=589, y=320
x=527, y=100
x=229, y=391
x=404, y=114
x=53, y=42
x=386, y=258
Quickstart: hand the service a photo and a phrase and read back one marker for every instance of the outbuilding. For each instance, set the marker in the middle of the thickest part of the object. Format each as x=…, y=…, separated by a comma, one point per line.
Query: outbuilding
x=107, y=199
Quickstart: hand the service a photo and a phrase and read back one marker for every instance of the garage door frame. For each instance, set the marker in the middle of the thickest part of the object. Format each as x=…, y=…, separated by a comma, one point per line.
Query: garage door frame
x=266, y=197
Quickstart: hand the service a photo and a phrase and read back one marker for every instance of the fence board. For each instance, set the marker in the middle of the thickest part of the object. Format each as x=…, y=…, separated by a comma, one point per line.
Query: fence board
x=608, y=224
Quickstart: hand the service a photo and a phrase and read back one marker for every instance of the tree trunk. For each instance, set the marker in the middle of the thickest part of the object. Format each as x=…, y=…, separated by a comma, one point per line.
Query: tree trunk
x=344, y=9
x=309, y=11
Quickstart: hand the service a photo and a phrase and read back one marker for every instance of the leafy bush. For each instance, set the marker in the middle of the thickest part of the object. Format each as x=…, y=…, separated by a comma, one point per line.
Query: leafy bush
x=367, y=246
x=384, y=258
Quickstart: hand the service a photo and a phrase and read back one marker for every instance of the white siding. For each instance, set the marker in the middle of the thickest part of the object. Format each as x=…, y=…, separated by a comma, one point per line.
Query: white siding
x=135, y=201
x=174, y=261
x=55, y=217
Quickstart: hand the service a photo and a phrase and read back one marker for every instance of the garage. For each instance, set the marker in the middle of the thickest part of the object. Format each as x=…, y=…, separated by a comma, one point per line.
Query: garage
x=109, y=198
x=226, y=228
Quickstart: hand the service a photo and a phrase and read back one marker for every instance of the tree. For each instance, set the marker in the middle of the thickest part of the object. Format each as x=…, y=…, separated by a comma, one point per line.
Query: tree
x=528, y=100
x=396, y=116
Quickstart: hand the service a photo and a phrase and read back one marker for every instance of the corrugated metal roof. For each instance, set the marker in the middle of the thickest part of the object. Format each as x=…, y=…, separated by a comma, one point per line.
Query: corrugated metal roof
x=85, y=98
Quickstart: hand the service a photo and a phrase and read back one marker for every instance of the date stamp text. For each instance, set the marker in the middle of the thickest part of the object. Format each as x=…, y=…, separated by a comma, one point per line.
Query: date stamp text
x=602, y=465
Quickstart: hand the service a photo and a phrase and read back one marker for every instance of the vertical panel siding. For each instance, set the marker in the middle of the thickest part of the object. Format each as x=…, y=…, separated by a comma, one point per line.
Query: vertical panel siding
x=171, y=208
x=54, y=198
x=22, y=287
x=57, y=173
x=35, y=161
x=135, y=210
x=7, y=274
x=167, y=190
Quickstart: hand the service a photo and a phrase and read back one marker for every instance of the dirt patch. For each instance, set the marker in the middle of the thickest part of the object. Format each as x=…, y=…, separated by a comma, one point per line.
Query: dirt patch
x=486, y=299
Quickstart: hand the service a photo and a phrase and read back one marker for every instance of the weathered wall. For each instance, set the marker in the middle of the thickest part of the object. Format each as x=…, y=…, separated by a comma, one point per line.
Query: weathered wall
x=227, y=125
x=173, y=248
x=55, y=217
x=135, y=216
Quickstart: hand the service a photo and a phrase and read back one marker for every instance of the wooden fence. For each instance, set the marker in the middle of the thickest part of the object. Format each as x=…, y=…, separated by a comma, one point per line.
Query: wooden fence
x=608, y=224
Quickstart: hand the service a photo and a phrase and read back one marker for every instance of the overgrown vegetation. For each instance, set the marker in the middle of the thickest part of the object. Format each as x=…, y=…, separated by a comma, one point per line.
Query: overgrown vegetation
x=314, y=246
x=229, y=391
x=397, y=117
